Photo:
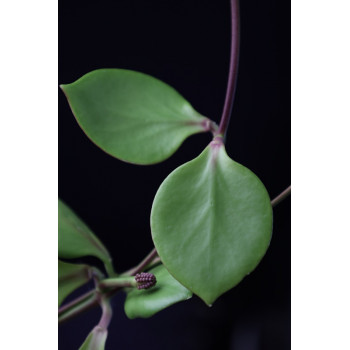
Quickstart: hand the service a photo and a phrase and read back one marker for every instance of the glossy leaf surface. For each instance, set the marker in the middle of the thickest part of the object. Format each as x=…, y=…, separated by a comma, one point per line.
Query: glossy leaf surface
x=76, y=240
x=145, y=303
x=70, y=277
x=211, y=222
x=96, y=339
x=131, y=115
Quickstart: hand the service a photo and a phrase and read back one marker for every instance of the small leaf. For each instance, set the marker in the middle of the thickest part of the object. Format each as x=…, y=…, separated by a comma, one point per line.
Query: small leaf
x=70, y=277
x=76, y=240
x=146, y=302
x=96, y=339
x=131, y=115
x=211, y=222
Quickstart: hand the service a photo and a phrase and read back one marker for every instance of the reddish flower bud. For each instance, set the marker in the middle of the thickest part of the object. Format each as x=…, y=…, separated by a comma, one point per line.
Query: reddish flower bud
x=145, y=280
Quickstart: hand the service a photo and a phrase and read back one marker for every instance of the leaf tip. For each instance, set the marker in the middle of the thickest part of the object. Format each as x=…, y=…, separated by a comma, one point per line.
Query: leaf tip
x=207, y=297
x=62, y=86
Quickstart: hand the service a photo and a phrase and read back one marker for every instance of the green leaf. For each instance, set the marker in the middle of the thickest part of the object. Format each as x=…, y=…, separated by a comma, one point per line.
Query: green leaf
x=70, y=277
x=211, y=222
x=76, y=240
x=132, y=116
x=96, y=339
x=146, y=302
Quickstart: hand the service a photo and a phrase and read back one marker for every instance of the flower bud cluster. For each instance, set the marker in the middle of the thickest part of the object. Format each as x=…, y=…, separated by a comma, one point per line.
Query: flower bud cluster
x=145, y=280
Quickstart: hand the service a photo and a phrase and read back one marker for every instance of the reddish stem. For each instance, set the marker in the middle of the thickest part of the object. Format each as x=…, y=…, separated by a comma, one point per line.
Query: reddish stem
x=281, y=196
x=233, y=73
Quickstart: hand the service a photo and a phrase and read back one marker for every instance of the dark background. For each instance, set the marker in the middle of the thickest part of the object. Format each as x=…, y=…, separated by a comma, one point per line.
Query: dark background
x=186, y=44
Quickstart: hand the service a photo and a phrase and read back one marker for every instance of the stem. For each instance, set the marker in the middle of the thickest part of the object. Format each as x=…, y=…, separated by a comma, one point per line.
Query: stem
x=107, y=314
x=109, y=268
x=233, y=73
x=277, y=200
x=119, y=282
x=74, y=302
x=141, y=266
x=154, y=262
x=78, y=308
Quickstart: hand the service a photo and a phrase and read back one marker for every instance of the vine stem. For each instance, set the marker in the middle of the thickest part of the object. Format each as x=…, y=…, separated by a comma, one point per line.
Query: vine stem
x=117, y=282
x=281, y=196
x=143, y=264
x=233, y=73
x=107, y=314
x=76, y=301
x=78, y=306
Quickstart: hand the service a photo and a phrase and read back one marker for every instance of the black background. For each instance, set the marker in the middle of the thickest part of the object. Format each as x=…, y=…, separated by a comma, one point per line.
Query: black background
x=186, y=44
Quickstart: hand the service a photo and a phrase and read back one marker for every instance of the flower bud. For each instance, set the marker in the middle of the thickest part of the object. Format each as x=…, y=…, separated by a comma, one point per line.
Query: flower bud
x=145, y=280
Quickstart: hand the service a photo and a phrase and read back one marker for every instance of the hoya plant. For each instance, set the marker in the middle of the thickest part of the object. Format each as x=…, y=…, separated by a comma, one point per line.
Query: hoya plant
x=211, y=219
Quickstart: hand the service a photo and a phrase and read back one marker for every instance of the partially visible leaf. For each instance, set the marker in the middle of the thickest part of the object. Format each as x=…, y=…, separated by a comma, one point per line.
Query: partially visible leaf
x=76, y=240
x=132, y=116
x=70, y=277
x=146, y=302
x=211, y=222
x=96, y=339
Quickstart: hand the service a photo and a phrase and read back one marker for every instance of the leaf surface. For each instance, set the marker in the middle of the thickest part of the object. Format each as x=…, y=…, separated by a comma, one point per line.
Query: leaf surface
x=76, y=240
x=70, y=277
x=146, y=302
x=211, y=222
x=132, y=116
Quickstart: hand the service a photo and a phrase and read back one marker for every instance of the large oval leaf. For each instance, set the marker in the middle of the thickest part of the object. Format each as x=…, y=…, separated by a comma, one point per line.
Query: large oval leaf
x=131, y=115
x=71, y=277
x=75, y=239
x=146, y=302
x=211, y=222
x=96, y=339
